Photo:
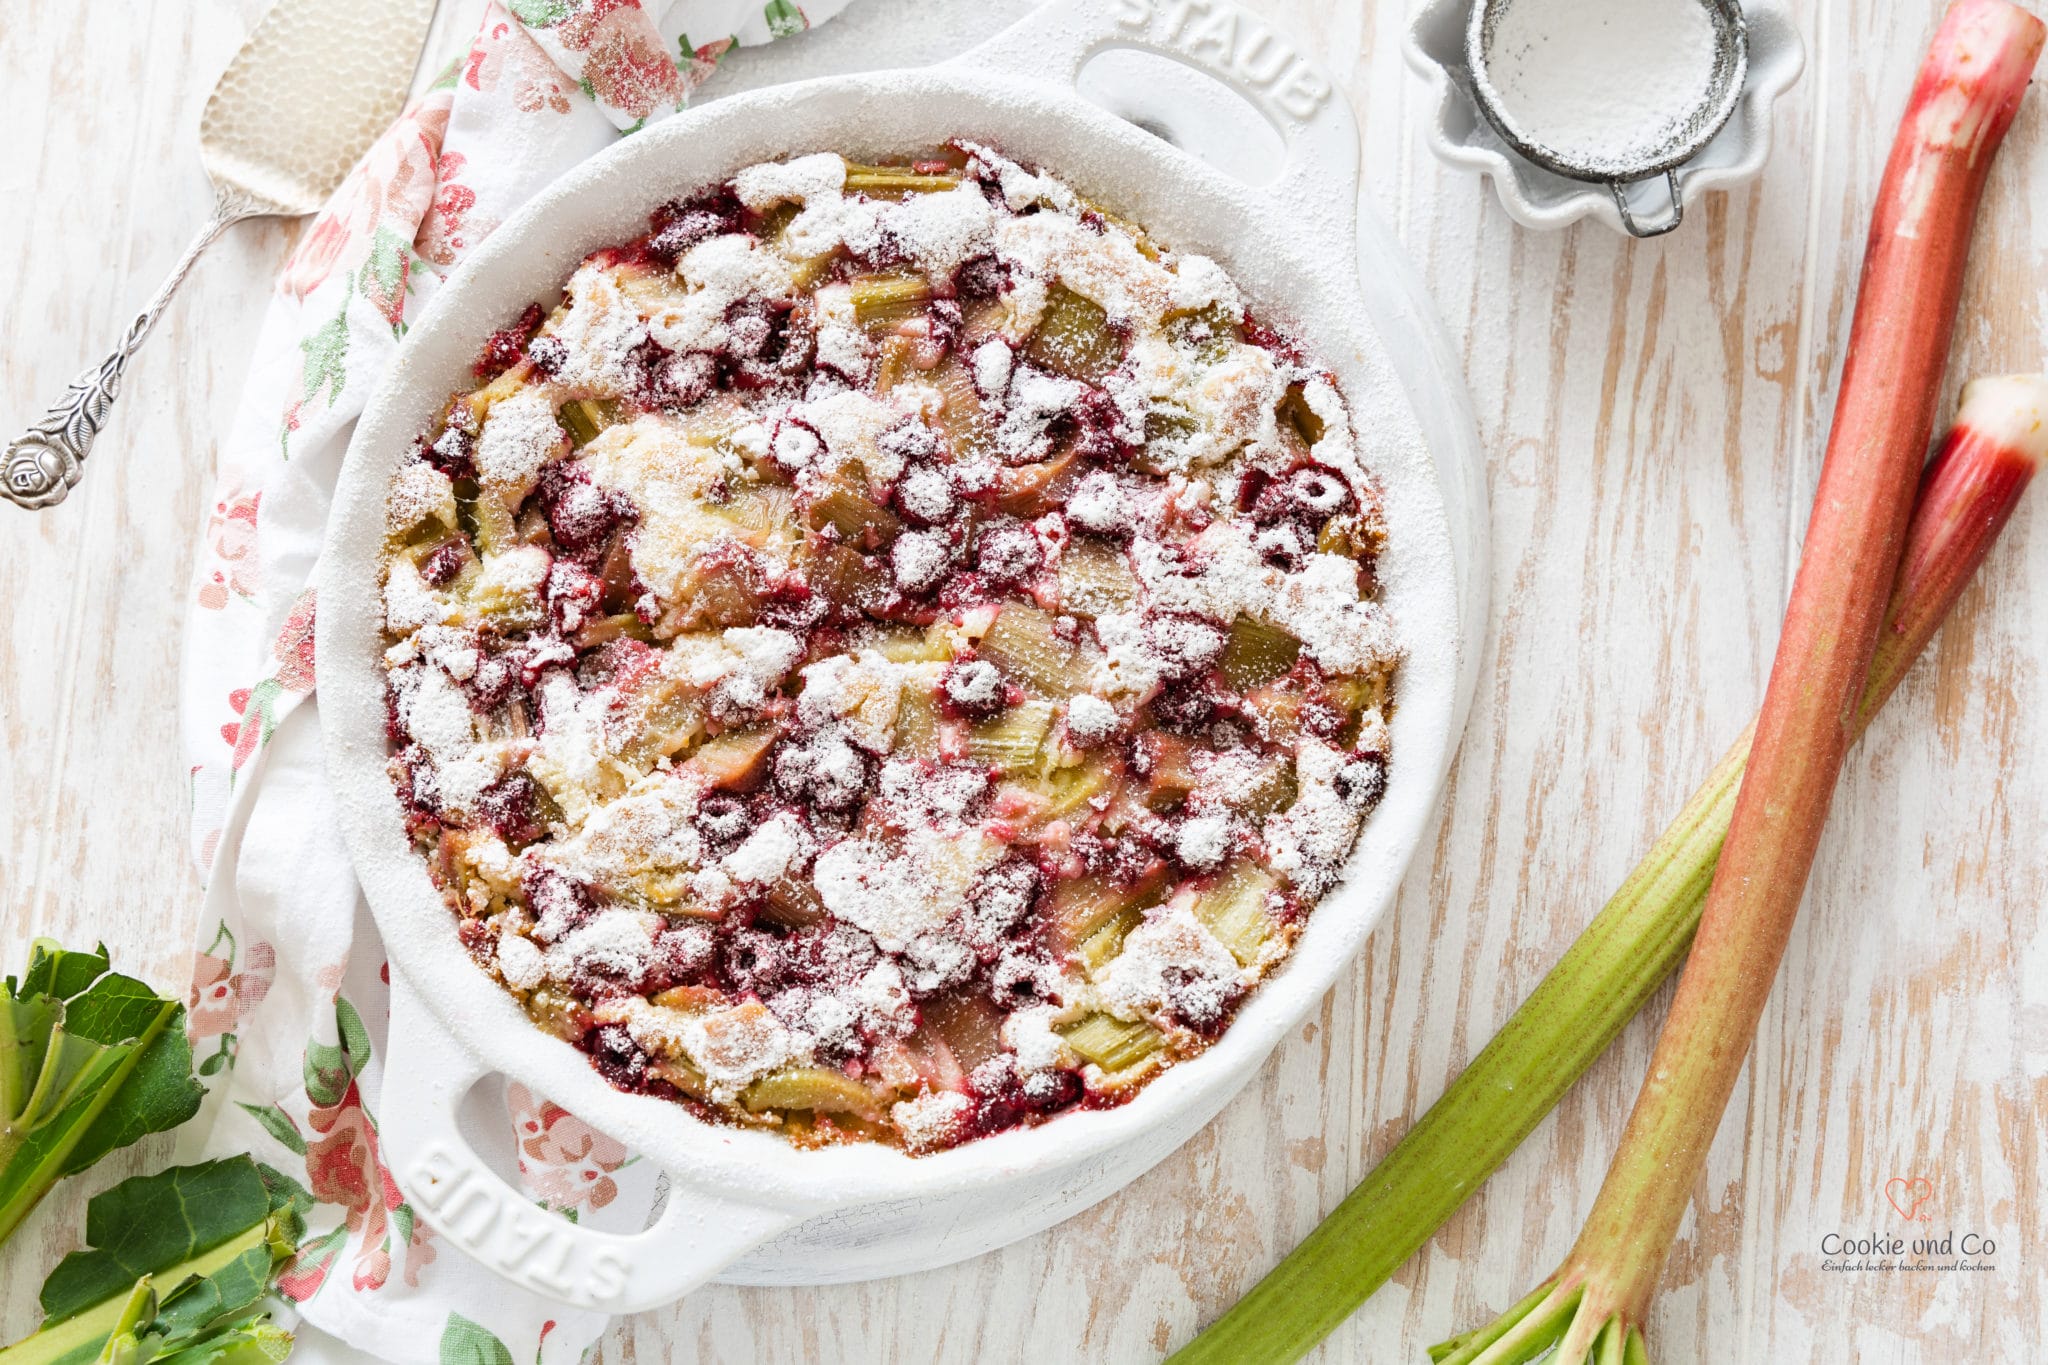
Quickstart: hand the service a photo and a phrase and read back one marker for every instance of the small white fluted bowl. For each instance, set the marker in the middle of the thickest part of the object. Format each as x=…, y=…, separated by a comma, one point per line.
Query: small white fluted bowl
x=1537, y=198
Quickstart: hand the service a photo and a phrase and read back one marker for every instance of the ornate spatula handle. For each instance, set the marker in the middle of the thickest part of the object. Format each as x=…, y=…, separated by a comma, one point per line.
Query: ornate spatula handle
x=44, y=462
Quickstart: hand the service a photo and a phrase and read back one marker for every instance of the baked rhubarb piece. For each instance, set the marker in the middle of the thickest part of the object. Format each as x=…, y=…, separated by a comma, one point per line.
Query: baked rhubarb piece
x=892, y=654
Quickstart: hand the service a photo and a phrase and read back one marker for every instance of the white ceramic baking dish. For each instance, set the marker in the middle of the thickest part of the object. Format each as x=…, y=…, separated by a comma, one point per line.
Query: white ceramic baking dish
x=746, y=1206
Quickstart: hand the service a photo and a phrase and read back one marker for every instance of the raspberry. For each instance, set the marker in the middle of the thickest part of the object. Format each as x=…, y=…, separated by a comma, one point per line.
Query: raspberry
x=559, y=905
x=945, y=324
x=503, y=349
x=548, y=355
x=1361, y=781
x=1009, y=553
x=452, y=453
x=975, y=687
x=446, y=560
x=686, y=379
x=980, y=279
x=581, y=514
x=683, y=223
x=752, y=962
x=617, y=1057
x=1099, y=427
x=511, y=807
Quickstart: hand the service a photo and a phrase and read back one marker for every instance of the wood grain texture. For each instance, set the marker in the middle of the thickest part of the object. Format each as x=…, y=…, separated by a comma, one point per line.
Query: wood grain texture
x=1653, y=417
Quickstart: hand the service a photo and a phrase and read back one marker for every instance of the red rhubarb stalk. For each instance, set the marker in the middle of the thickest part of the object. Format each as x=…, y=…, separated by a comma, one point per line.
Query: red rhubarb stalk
x=1968, y=90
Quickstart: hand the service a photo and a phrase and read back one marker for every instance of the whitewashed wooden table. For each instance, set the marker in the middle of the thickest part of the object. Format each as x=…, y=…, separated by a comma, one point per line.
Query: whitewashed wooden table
x=1653, y=417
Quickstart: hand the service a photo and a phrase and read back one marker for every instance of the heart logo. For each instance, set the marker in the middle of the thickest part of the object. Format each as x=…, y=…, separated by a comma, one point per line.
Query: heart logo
x=1908, y=1195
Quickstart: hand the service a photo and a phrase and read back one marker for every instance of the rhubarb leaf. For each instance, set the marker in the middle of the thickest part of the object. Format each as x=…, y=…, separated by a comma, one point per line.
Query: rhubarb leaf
x=160, y=1092
x=142, y=1225
x=176, y=1270
x=90, y=1060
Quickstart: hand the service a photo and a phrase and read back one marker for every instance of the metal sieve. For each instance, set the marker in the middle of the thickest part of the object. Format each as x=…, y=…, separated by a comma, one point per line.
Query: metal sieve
x=1710, y=113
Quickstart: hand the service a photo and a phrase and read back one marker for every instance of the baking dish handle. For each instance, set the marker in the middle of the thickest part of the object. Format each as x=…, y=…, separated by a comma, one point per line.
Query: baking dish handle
x=427, y=1074
x=1318, y=179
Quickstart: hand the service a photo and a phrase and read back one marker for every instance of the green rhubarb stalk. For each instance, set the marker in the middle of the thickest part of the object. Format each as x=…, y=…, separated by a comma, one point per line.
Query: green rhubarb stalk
x=90, y=1060
x=1636, y=941
x=177, y=1268
x=1598, y=1302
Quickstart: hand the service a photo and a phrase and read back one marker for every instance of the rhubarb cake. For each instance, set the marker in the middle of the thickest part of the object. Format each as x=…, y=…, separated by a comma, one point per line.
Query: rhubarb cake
x=892, y=654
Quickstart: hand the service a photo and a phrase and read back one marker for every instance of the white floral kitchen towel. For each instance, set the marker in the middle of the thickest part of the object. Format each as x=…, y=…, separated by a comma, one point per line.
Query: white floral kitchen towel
x=290, y=996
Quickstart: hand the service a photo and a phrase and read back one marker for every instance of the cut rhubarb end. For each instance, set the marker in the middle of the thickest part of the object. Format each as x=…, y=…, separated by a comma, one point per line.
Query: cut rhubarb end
x=1969, y=88
x=1968, y=493
x=1570, y=1320
x=1553, y=1326
x=1529, y=1331
x=2009, y=412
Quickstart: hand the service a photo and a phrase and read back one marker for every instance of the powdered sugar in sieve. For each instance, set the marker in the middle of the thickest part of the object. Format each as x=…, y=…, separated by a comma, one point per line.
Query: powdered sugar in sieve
x=1608, y=91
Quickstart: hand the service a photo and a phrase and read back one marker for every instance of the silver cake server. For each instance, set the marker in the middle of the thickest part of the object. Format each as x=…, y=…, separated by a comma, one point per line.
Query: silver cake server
x=315, y=83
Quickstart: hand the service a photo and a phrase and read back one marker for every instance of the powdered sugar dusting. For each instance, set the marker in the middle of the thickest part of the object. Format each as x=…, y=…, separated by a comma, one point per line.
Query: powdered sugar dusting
x=769, y=852
x=419, y=491
x=521, y=964
x=932, y=1121
x=897, y=894
x=409, y=604
x=599, y=331
x=519, y=436
x=736, y=1046
x=1173, y=963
